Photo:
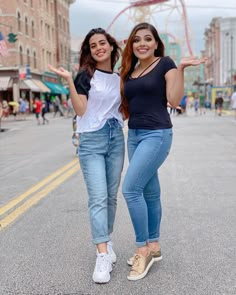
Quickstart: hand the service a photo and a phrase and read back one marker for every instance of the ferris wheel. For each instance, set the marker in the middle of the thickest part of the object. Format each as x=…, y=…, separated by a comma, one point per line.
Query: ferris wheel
x=169, y=17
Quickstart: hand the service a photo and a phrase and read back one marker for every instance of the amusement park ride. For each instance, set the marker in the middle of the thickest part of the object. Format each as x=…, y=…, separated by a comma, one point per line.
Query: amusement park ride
x=169, y=16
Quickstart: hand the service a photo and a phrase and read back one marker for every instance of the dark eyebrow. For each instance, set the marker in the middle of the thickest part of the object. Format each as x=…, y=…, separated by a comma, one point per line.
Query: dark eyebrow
x=98, y=41
x=148, y=35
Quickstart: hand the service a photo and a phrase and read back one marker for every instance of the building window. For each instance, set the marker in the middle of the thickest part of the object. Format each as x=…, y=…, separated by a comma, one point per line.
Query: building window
x=33, y=35
x=43, y=58
x=61, y=53
x=64, y=25
x=41, y=26
x=26, y=26
x=21, y=55
x=65, y=52
x=52, y=9
x=19, y=21
x=48, y=32
x=32, y=3
x=28, y=57
x=35, y=61
x=52, y=34
x=60, y=23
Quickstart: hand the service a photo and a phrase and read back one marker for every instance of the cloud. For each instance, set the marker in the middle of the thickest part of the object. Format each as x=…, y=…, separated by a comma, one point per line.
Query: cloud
x=87, y=14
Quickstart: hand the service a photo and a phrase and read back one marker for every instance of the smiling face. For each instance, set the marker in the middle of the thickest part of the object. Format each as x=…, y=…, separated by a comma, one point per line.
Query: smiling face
x=144, y=44
x=100, y=48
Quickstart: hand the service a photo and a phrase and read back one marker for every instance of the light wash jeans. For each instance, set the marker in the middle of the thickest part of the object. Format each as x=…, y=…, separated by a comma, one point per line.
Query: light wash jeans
x=101, y=155
x=147, y=150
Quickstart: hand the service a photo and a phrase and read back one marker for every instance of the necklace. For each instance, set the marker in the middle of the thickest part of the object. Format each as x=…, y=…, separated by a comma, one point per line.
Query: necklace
x=147, y=67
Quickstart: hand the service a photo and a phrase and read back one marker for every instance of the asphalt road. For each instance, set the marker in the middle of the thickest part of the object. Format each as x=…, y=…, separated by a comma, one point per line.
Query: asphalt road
x=45, y=244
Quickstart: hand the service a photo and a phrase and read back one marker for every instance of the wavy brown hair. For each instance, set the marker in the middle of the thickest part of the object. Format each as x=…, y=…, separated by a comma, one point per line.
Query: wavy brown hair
x=129, y=60
x=86, y=61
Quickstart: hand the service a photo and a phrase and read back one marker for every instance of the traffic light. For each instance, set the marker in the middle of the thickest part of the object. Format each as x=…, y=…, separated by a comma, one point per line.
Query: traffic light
x=12, y=38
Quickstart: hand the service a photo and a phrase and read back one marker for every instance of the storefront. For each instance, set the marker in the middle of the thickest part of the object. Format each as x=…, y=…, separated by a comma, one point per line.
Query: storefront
x=5, y=84
x=56, y=89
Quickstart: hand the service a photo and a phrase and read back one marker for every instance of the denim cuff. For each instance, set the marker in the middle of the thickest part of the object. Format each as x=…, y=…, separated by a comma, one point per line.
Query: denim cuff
x=154, y=240
x=141, y=244
x=101, y=240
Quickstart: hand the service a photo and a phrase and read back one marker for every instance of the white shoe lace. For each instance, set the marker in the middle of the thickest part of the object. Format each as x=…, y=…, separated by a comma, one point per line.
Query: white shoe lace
x=102, y=263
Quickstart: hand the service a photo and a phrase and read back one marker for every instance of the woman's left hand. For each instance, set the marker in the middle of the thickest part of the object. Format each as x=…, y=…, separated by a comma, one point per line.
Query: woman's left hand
x=191, y=61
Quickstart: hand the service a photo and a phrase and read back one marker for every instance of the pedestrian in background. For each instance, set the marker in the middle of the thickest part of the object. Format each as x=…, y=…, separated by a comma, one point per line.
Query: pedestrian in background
x=219, y=104
x=57, y=106
x=37, y=109
x=22, y=108
x=43, y=113
x=1, y=115
x=95, y=95
x=196, y=103
x=183, y=104
x=148, y=81
x=233, y=102
x=5, y=107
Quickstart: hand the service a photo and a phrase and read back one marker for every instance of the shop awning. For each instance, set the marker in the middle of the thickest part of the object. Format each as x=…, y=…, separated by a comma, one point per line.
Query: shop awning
x=29, y=85
x=4, y=83
x=43, y=88
x=56, y=88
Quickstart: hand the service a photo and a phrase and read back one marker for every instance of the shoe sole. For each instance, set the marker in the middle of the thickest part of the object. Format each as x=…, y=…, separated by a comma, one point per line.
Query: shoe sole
x=155, y=259
x=106, y=280
x=113, y=260
x=143, y=274
x=102, y=281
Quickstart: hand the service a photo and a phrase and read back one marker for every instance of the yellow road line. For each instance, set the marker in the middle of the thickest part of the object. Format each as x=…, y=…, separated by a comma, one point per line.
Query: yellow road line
x=36, y=187
x=36, y=198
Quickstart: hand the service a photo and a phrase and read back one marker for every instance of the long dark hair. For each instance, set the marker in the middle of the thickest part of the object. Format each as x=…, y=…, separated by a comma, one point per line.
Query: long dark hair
x=86, y=61
x=129, y=60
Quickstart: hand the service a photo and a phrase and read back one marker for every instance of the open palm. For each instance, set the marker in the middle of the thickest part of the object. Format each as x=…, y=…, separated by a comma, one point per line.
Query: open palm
x=191, y=61
x=60, y=72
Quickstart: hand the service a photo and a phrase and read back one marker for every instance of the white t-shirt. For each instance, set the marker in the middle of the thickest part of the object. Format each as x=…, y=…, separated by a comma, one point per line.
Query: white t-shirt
x=103, y=92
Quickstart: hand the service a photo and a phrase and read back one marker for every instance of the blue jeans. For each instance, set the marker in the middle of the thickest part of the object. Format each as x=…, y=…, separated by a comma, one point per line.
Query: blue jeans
x=147, y=150
x=101, y=155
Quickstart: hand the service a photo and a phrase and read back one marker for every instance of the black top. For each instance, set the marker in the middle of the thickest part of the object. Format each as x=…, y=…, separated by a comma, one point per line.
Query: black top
x=82, y=82
x=146, y=96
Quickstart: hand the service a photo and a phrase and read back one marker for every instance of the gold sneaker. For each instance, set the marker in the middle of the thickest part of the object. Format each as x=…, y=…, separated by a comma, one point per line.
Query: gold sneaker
x=140, y=267
x=156, y=255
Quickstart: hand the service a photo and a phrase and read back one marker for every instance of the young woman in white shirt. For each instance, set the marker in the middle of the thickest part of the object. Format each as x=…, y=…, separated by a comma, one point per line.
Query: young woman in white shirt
x=95, y=95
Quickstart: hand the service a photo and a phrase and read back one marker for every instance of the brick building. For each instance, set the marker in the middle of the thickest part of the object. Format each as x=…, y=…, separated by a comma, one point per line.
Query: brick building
x=43, y=37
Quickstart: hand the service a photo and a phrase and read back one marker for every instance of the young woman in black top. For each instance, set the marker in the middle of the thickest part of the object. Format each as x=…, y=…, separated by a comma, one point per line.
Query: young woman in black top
x=148, y=81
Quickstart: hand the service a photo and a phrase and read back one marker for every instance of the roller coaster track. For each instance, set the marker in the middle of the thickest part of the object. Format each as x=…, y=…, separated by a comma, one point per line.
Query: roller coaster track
x=135, y=4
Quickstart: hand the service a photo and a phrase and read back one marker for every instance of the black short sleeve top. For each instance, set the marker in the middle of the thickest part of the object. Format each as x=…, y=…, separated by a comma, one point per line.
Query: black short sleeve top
x=146, y=96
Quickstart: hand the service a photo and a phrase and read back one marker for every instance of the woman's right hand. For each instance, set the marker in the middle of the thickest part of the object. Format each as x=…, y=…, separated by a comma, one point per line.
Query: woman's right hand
x=61, y=72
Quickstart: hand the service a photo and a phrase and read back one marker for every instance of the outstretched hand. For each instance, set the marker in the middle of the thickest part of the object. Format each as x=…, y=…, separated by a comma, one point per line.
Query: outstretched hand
x=191, y=61
x=60, y=72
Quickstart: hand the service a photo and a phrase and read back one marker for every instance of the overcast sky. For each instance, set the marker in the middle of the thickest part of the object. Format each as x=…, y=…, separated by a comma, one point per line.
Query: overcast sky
x=88, y=14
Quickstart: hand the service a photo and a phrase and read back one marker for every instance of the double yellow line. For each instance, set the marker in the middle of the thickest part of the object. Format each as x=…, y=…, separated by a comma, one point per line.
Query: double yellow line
x=16, y=207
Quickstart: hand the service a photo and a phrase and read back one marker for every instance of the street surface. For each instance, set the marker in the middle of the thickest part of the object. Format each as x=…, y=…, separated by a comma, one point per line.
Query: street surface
x=45, y=244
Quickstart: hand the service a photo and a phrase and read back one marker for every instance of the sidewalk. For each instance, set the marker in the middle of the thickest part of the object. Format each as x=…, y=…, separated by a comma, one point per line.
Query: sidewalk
x=11, y=123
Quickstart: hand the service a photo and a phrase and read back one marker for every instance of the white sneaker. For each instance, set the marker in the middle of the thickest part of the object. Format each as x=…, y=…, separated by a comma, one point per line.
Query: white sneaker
x=111, y=252
x=102, y=268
